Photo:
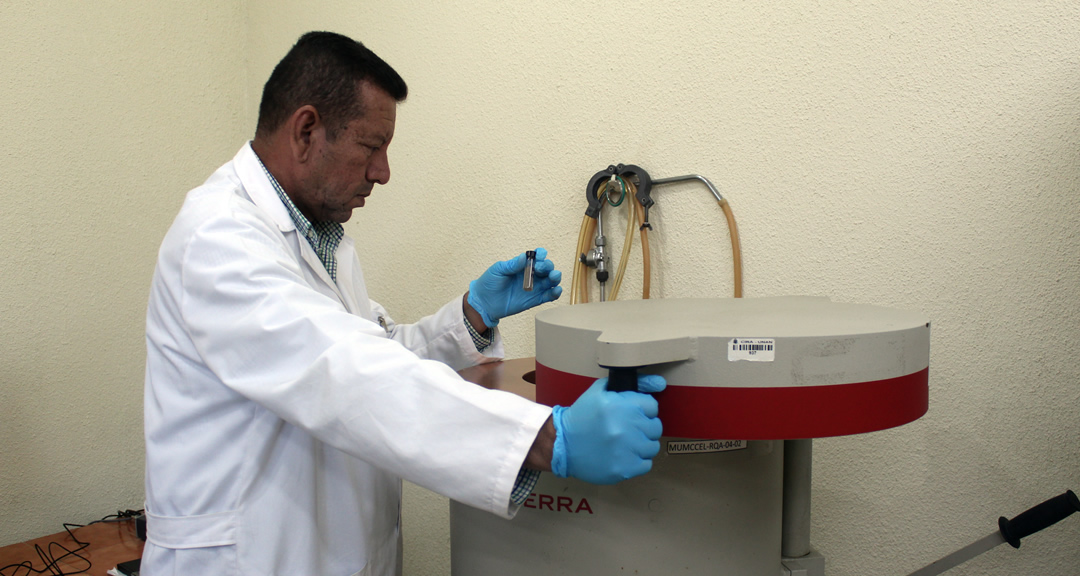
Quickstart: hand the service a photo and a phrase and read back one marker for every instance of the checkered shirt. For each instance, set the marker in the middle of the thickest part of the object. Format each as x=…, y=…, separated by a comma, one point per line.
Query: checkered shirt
x=526, y=481
x=481, y=341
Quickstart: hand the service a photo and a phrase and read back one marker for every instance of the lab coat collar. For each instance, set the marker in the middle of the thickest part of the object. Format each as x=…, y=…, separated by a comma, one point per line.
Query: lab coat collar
x=258, y=186
x=254, y=180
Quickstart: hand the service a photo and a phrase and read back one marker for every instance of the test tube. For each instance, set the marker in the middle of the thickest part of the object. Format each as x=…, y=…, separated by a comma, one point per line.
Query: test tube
x=530, y=261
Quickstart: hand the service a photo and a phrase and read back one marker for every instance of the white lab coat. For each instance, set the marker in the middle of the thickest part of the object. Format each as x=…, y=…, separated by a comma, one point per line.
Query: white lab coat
x=281, y=415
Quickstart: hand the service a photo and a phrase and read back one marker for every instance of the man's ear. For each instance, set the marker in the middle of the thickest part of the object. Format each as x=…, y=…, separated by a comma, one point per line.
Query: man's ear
x=305, y=126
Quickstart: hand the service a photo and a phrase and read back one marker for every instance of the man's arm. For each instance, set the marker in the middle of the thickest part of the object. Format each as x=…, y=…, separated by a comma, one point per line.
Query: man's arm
x=539, y=456
x=472, y=315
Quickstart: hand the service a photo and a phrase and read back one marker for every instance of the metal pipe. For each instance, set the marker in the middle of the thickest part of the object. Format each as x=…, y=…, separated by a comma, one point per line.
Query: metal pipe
x=736, y=251
x=601, y=258
x=798, y=460
x=699, y=177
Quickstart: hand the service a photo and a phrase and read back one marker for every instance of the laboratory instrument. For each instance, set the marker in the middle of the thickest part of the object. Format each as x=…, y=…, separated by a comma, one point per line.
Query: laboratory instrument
x=743, y=376
x=751, y=383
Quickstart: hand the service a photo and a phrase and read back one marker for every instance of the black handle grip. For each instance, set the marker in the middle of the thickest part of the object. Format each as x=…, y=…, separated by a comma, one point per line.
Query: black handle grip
x=593, y=188
x=622, y=379
x=1041, y=516
x=644, y=185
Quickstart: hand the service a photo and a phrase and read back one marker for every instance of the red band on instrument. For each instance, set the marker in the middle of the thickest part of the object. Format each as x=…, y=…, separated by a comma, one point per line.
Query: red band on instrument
x=767, y=413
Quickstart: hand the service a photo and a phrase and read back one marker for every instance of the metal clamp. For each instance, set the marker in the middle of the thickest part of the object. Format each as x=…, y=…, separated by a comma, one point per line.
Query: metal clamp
x=644, y=187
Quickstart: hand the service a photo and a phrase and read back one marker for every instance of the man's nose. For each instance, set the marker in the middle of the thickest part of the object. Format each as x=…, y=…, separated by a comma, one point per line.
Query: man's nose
x=379, y=168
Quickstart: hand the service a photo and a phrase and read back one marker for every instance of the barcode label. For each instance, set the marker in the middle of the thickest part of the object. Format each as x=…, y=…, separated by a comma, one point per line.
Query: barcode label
x=752, y=349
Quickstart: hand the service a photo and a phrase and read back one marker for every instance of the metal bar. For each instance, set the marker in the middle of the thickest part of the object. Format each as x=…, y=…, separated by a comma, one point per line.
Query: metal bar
x=698, y=177
x=798, y=461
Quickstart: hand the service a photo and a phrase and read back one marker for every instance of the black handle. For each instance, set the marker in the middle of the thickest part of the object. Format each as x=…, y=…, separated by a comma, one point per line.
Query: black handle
x=622, y=379
x=1041, y=516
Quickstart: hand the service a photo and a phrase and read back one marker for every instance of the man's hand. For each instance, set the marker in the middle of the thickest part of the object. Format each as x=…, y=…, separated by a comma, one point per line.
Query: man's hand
x=498, y=293
x=606, y=437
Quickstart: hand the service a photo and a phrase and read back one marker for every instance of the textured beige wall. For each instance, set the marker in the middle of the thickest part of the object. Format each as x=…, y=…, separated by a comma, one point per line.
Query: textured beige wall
x=113, y=110
x=920, y=155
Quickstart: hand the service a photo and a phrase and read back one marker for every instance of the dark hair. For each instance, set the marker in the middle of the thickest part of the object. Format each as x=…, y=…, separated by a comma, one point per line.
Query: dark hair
x=325, y=70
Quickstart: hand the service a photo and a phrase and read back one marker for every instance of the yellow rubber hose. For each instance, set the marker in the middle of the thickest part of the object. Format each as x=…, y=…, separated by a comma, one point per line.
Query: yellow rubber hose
x=577, y=261
x=736, y=251
x=646, y=261
x=631, y=205
x=583, y=287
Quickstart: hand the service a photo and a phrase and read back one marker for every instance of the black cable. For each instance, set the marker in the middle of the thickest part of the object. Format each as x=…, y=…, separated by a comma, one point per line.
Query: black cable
x=120, y=516
x=49, y=557
x=52, y=561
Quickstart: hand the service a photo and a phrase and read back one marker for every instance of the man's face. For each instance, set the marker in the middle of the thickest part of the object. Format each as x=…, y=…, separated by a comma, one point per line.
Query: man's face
x=343, y=172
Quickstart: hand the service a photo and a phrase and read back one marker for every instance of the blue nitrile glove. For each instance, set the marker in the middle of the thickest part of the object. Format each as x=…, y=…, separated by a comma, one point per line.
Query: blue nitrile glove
x=498, y=292
x=607, y=437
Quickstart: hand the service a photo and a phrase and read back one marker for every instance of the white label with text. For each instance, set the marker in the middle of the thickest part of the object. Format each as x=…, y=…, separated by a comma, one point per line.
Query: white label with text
x=703, y=446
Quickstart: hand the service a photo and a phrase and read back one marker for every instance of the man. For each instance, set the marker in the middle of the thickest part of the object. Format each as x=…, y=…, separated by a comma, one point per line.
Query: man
x=283, y=406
